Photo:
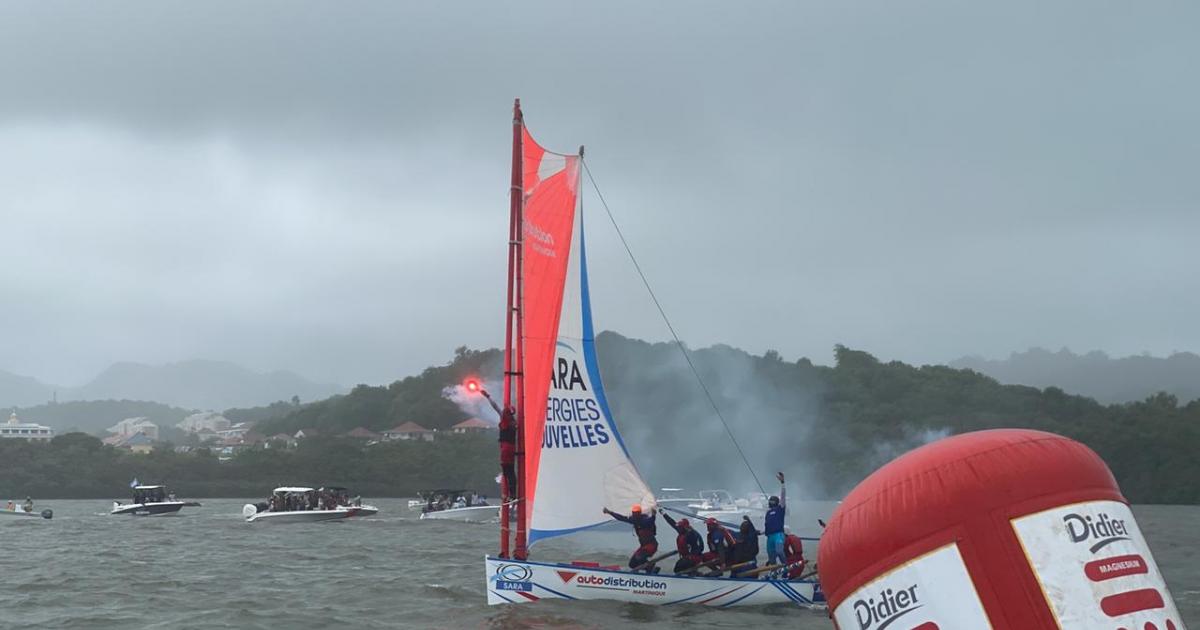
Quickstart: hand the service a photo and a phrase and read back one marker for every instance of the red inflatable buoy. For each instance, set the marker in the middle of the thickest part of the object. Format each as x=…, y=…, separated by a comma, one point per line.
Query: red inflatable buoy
x=1007, y=529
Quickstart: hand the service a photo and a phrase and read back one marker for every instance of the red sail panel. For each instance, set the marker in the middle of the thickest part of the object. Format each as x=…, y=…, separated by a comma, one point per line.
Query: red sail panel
x=550, y=183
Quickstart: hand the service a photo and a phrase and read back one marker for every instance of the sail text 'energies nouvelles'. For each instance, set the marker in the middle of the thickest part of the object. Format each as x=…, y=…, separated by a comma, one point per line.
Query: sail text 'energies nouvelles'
x=572, y=422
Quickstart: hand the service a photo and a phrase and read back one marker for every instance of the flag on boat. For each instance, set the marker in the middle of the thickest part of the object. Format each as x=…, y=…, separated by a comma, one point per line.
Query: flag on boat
x=134, y=483
x=576, y=463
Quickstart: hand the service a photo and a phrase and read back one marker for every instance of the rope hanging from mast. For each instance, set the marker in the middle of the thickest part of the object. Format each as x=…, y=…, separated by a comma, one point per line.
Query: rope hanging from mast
x=678, y=343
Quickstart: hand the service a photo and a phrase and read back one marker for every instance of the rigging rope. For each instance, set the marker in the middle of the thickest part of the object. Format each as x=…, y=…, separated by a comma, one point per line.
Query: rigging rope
x=678, y=343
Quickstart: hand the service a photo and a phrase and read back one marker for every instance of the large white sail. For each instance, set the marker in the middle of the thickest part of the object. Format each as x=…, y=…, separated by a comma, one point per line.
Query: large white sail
x=583, y=463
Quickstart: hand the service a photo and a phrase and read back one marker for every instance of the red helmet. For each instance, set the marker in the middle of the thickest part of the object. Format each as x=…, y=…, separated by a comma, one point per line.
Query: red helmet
x=636, y=509
x=711, y=522
x=684, y=523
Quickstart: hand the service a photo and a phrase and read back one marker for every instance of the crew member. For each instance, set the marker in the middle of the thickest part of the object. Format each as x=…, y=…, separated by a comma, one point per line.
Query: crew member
x=773, y=523
x=508, y=452
x=720, y=544
x=793, y=552
x=28, y=504
x=687, y=541
x=646, y=530
x=745, y=552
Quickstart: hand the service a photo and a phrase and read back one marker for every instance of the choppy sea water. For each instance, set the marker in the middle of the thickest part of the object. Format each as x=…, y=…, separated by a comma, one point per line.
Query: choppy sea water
x=209, y=569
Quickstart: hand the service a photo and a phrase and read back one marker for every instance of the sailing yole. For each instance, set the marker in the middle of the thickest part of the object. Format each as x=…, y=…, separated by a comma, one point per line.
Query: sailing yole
x=574, y=465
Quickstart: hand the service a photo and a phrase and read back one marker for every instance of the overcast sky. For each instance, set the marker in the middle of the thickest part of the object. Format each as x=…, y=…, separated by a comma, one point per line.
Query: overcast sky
x=322, y=187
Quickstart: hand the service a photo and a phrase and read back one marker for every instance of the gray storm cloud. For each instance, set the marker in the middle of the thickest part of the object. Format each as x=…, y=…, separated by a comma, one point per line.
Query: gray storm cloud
x=323, y=188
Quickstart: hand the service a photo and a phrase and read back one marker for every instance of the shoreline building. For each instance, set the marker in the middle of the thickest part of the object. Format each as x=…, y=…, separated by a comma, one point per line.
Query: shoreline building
x=133, y=426
x=14, y=429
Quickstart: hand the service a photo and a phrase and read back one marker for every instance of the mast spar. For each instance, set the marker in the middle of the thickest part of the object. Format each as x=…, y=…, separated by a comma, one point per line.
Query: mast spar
x=513, y=343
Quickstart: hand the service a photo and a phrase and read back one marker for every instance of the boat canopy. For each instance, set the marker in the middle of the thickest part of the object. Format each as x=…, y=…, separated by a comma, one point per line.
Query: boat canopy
x=293, y=489
x=148, y=487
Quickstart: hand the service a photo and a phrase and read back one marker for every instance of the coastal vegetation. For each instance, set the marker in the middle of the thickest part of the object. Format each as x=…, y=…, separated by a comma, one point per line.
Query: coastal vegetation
x=828, y=426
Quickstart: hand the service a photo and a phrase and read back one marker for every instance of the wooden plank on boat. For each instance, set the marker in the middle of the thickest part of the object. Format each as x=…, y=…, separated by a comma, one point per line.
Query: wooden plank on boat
x=652, y=561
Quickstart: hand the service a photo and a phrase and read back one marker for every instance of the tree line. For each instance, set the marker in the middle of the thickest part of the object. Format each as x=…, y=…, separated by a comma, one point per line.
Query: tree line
x=826, y=426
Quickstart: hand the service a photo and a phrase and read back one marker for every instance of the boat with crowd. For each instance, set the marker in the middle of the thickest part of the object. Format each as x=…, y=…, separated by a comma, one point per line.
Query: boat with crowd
x=302, y=504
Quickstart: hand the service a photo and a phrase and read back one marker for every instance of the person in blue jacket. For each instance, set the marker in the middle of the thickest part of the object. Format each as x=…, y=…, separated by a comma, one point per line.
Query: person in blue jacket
x=773, y=524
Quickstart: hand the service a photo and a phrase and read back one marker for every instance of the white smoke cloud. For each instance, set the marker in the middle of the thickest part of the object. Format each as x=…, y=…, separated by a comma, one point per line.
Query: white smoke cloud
x=473, y=403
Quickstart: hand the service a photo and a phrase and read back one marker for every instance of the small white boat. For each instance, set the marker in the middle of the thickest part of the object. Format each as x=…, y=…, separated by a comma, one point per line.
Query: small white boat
x=151, y=501
x=291, y=505
x=473, y=514
x=457, y=505
x=21, y=513
x=676, y=498
x=721, y=505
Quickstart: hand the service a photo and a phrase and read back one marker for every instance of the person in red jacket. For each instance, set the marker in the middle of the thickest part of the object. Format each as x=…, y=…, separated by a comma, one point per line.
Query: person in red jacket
x=688, y=543
x=645, y=530
x=720, y=545
x=508, y=451
x=793, y=553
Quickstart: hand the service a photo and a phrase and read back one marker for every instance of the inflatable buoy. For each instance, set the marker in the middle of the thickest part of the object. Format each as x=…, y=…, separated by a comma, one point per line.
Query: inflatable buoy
x=1006, y=529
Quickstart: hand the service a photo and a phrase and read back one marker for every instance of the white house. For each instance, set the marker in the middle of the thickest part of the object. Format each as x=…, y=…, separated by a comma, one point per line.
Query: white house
x=210, y=420
x=134, y=426
x=14, y=429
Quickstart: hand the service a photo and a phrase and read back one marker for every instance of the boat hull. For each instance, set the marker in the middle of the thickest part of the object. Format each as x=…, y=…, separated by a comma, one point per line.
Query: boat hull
x=307, y=516
x=474, y=514
x=166, y=508
x=514, y=581
x=42, y=514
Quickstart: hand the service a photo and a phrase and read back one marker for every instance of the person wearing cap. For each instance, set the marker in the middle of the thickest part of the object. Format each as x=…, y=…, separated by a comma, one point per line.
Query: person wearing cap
x=720, y=543
x=793, y=552
x=687, y=541
x=773, y=523
x=645, y=529
x=28, y=504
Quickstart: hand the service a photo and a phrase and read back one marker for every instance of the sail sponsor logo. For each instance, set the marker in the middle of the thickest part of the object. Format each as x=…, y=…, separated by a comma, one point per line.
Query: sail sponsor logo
x=540, y=240
x=641, y=586
x=877, y=614
x=1100, y=532
x=566, y=576
x=514, y=577
x=573, y=418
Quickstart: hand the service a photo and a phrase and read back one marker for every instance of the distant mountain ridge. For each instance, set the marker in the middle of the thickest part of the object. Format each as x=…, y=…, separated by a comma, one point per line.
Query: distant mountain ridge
x=195, y=384
x=1095, y=374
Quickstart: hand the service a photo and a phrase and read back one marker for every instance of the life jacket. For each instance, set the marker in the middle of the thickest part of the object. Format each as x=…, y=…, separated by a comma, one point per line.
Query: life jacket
x=508, y=427
x=645, y=528
x=719, y=538
x=773, y=523
x=508, y=437
x=747, y=545
x=793, y=548
x=689, y=543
